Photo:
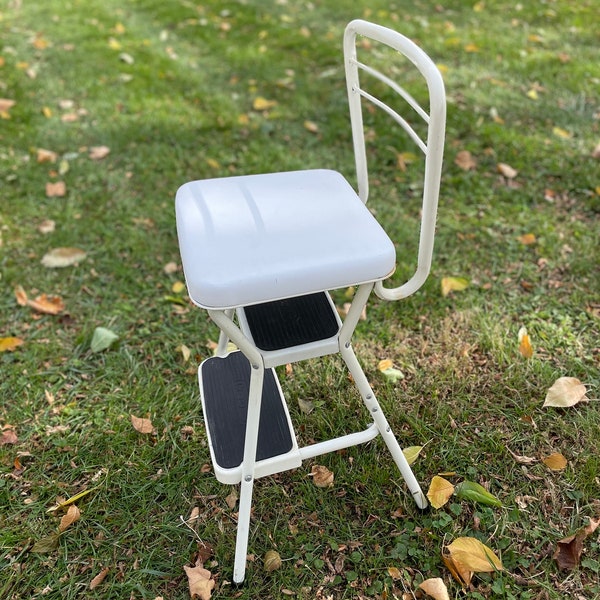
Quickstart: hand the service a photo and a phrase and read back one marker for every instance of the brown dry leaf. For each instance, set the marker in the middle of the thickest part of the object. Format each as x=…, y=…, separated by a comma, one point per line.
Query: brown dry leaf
x=322, y=476
x=48, y=305
x=440, y=490
x=99, y=152
x=436, y=588
x=47, y=226
x=44, y=156
x=523, y=460
x=474, y=555
x=231, y=499
x=63, y=257
x=96, y=581
x=453, y=284
x=506, y=171
x=21, y=296
x=556, y=461
x=568, y=550
x=464, y=160
x=596, y=151
x=200, y=581
x=565, y=392
x=8, y=344
x=56, y=190
x=261, y=104
x=170, y=268
x=8, y=436
x=525, y=347
x=73, y=515
x=5, y=106
x=395, y=573
x=142, y=425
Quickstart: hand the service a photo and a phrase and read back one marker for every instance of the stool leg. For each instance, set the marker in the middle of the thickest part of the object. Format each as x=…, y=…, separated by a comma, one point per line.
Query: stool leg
x=382, y=424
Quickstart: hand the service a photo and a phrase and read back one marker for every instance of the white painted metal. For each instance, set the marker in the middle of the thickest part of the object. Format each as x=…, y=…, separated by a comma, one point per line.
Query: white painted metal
x=258, y=238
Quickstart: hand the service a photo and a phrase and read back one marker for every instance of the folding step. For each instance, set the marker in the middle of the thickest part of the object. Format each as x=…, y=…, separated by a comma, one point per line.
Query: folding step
x=224, y=387
x=292, y=329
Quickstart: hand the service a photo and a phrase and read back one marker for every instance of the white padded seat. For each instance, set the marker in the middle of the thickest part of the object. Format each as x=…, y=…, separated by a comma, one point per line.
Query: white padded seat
x=257, y=238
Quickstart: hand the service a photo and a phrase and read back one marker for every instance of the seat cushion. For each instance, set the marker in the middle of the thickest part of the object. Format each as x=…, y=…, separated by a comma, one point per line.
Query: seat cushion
x=256, y=238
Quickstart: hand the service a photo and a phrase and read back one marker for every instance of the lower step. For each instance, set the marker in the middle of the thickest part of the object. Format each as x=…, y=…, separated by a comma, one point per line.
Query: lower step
x=224, y=386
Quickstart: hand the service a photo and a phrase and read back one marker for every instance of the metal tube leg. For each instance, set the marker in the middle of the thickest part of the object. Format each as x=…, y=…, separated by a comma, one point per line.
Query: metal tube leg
x=243, y=529
x=223, y=337
x=382, y=424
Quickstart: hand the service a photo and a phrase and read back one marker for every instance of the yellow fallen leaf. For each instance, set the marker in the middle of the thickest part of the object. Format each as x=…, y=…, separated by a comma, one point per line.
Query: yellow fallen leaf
x=262, y=104
x=213, y=164
x=532, y=94
x=440, y=491
x=114, y=44
x=411, y=453
x=272, y=561
x=322, y=476
x=311, y=126
x=453, y=284
x=506, y=171
x=142, y=425
x=21, y=296
x=8, y=344
x=525, y=347
x=562, y=133
x=185, y=352
x=527, y=239
x=470, y=555
x=556, y=461
x=471, y=48
x=436, y=588
x=565, y=392
x=395, y=573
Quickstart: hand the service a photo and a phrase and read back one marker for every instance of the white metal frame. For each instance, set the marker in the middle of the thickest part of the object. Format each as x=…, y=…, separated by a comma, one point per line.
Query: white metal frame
x=231, y=318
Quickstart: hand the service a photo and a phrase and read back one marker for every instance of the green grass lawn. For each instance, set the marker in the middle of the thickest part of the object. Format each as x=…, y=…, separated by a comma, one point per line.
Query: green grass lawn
x=169, y=89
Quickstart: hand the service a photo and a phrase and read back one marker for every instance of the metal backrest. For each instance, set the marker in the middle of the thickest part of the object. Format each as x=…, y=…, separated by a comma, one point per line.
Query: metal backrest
x=432, y=146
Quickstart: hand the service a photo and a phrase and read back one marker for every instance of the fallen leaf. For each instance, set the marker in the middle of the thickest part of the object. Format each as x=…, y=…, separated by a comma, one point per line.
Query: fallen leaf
x=560, y=132
x=47, y=226
x=185, y=352
x=96, y=581
x=565, y=392
x=8, y=436
x=527, y=239
x=44, y=156
x=56, y=190
x=568, y=550
x=471, y=490
x=465, y=161
x=395, y=573
x=506, y=171
x=5, y=106
x=453, y=284
x=8, y=344
x=306, y=406
x=387, y=367
x=436, y=588
x=200, y=581
x=231, y=499
x=523, y=460
x=440, y=490
x=411, y=453
x=47, y=544
x=556, y=461
x=73, y=514
x=525, y=347
x=470, y=555
x=311, y=126
x=102, y=339
x=48, y=305
x=170, y=268
x=596, y=151
x=261, y=104
x=64, y=503
x=532, y=94
x=21, y=296
x=142, y=425
x=322, y=476
x=63, y=257
x=99, y=152
x=272, y=561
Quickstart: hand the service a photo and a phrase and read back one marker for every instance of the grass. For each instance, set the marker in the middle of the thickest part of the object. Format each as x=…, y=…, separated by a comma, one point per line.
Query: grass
x=522, y=84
